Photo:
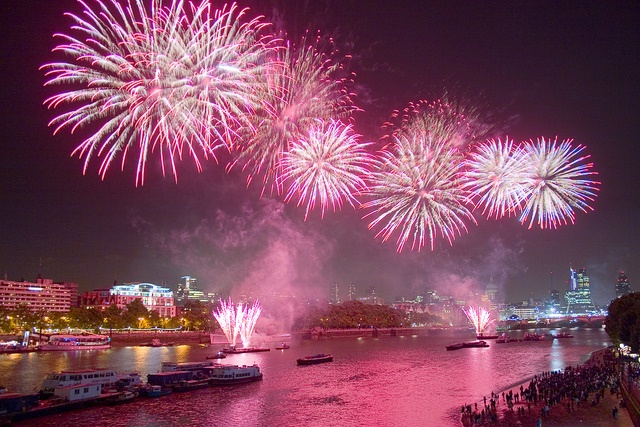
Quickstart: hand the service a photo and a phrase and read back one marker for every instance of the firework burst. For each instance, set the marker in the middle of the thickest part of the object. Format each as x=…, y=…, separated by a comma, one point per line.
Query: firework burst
x=308, y=89
x=495, y=173
x=415, y=190
x=557, y=180
x=169, y=78
x=326, y=167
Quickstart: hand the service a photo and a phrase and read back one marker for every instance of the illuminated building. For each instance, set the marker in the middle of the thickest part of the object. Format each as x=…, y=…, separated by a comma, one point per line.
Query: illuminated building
x=187, y=290
x=622, y=286
x=44, y=294
x=578, y=298
x=154, y=297
x=334, y=296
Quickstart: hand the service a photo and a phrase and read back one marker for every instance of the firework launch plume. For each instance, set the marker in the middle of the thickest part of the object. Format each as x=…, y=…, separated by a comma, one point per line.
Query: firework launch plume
x=480, y=318
x=239, y=320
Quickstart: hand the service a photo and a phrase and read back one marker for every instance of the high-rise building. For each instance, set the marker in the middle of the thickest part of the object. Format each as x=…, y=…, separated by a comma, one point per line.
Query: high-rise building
x=187, y=290
x=578, y=298
x=334, y=296
x=622, y=285
x=352, y=293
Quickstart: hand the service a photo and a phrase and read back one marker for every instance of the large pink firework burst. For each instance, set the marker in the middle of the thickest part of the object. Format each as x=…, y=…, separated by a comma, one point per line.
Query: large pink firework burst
x=558, y=182
x=326, y=167
x=308, y=89
x=495, y=173
x=181, y=77
x=415, y=191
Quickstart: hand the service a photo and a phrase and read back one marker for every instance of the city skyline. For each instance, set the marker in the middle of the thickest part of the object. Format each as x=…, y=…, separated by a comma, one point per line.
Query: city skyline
x=540, y=70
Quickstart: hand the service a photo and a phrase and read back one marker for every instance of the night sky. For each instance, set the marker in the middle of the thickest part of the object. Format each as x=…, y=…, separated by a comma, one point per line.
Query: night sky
x=537, y=69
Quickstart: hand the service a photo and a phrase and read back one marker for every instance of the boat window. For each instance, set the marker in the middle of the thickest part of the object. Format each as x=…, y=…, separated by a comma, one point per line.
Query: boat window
x=76, y=391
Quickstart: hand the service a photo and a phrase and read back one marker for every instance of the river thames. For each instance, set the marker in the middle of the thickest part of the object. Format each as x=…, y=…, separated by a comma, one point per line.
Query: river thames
x=386, y=381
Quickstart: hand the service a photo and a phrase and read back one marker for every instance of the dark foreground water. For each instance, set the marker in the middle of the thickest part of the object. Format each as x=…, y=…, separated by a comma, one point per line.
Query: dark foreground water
x=386, y=381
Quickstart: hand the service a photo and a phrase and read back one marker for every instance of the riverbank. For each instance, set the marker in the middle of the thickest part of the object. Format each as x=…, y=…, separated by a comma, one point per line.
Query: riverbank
x=594, y=409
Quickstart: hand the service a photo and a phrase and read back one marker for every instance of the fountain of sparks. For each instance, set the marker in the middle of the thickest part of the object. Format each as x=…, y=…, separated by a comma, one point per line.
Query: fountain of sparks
x=480, y=318
x=238, y=320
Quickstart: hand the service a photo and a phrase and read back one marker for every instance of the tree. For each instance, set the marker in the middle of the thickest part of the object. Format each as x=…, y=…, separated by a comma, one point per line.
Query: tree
x=113, y=317
x=134, y=311
x=197, y=315
x=623, y=321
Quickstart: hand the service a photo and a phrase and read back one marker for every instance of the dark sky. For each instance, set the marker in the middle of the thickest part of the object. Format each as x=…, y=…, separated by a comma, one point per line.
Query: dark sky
x=567, y=69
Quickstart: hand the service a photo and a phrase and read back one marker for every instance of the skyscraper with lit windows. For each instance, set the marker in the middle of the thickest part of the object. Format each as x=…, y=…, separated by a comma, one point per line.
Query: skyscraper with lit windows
x=622, y=285
x=578, y=298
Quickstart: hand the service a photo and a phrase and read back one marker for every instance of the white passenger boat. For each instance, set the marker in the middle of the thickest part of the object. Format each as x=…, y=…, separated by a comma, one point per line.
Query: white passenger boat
x=80, y=341
x=233, y=374
x=104, y=377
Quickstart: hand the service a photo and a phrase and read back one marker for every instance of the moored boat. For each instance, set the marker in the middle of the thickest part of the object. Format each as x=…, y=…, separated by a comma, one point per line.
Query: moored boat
x=154, y=391
x=121, y=397
x=283, y=346
x=105, y=378
x=80, y=341
x=188, y=385
x=315, y=359
x=234, y=374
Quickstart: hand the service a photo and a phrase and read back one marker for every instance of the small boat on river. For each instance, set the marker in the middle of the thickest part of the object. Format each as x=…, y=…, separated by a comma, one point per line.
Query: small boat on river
x=234, y=374
x=283, y=346
x=315, y=359
x=218, y=355
x=482, y=336
x=563, y=335
x=533, y=337
x=234, y=350
x=467, y=344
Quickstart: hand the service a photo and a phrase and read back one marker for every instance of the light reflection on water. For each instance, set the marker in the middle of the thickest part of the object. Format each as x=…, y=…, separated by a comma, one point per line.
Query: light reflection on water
x=409, y=381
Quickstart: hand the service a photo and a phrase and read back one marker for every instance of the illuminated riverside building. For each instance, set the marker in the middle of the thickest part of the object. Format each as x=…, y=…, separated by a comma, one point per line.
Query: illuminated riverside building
x=44, y=294
x=578, y=298
x=154, y=298
x=622, y=285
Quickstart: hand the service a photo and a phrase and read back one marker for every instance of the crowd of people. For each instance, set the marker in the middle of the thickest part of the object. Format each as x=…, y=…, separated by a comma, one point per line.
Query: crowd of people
x=574, y=387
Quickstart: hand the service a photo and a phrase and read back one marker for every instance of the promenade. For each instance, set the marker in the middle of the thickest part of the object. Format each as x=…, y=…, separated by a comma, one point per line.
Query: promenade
x=584, y=396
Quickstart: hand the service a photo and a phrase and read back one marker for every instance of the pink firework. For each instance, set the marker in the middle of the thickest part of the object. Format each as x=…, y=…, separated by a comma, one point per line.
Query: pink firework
x=306, y=89
x=167, y=79
x=480, y=318
x=557, y=179
x=496, y=175
x=239, y=320
x=326, y=168
x=415, y=190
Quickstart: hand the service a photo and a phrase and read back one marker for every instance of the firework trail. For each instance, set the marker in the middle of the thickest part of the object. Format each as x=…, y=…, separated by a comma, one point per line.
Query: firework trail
x=239, y=320
x=170, y=78
x=308, y=89
x=250, y=318
x=480, y=318
x=495, y=174
x=416, y=188
x=326, y=167
x=557, y=180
